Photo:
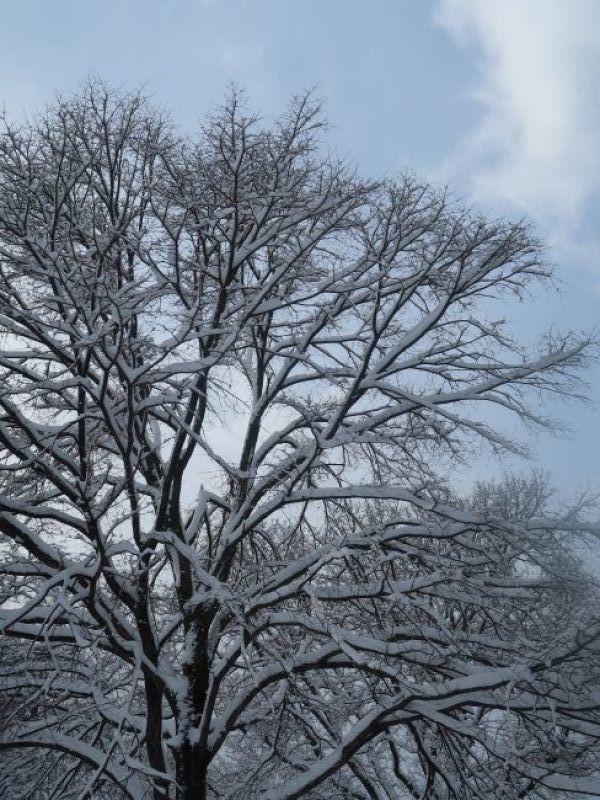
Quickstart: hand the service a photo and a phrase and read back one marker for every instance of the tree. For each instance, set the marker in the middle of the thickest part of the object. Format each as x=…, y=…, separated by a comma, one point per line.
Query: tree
x=236, y=382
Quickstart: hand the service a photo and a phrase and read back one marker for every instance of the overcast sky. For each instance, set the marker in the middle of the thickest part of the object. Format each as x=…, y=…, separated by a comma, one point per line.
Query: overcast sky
x=498, y=98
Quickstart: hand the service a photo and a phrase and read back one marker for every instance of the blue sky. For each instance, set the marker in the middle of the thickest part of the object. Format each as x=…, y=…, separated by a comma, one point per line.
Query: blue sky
x=499, y=98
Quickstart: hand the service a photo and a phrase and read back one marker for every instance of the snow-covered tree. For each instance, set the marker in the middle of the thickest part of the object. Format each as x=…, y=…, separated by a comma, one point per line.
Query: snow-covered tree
x=236, y=383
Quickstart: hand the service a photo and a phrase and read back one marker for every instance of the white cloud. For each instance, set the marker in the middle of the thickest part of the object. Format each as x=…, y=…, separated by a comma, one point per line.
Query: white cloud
x=536, y=146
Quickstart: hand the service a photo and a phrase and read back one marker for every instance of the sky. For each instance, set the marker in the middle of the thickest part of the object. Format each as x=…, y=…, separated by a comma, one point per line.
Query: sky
x=499, y=99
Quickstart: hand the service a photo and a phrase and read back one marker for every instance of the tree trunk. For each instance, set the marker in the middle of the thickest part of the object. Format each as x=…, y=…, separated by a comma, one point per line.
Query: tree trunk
x=191, y=773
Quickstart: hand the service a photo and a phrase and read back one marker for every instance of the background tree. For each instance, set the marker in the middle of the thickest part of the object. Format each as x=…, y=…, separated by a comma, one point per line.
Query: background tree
x=298, y=607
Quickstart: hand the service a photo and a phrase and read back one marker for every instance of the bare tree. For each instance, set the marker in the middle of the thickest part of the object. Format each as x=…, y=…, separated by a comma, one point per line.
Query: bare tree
x=236, y=382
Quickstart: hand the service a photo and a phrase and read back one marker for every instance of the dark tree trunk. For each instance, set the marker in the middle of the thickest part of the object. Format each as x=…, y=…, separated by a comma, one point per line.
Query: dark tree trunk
x=191, y=773
x=192, y=757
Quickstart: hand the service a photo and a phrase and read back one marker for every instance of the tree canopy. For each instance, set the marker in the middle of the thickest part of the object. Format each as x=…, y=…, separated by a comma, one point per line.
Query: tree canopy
x=237, y=382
